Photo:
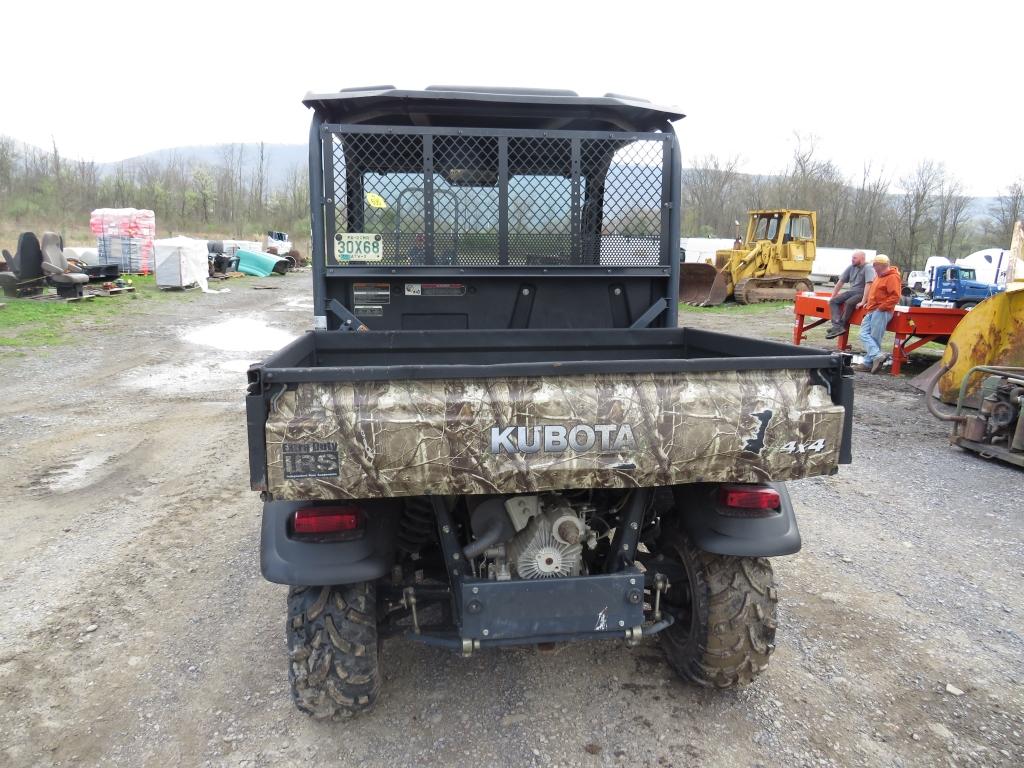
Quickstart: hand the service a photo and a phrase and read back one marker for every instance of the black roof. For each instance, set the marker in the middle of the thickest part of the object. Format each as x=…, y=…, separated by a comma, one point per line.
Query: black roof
x=466, y=106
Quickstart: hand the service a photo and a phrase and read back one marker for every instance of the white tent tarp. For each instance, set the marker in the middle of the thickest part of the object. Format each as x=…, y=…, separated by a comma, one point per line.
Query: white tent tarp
x=181, y=262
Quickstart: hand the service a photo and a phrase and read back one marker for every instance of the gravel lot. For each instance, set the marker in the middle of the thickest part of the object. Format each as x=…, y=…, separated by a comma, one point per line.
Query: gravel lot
x=135, y=628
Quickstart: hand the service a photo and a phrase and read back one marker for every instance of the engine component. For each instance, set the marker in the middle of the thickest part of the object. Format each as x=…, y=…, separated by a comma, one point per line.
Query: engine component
x=521, y=509
x=1002, y=406
x=491, y=525
x=497, y=564
x=537, y=554
x=566, y=527
x=530, y=537
x=1003, y=415
x=549, y=546
x=996, y=429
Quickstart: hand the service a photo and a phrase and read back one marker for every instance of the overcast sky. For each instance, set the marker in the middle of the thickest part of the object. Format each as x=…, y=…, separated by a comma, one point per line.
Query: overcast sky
x=891, y=83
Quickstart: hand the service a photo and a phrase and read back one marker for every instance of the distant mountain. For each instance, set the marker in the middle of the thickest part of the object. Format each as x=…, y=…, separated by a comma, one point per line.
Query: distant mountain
x=280, y=160
x=981, y=206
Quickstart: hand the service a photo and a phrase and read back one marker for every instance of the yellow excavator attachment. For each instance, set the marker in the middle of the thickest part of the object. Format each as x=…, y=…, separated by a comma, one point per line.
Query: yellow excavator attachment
x=990, y=334
x=702, y=285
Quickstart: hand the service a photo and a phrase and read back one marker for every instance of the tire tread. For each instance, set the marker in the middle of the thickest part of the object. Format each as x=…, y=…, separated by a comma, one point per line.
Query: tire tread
x=333, y=665
x=735, y=599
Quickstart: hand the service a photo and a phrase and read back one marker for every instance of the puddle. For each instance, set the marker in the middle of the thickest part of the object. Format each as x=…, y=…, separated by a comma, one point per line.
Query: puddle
x=73, y=475
x=239, y=341
x=301, y=302
x=191, y=378
x=240, y=334
x=236, y=366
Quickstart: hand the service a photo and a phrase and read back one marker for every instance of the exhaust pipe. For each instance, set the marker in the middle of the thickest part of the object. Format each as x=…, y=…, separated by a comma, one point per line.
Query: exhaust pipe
x=934, y=382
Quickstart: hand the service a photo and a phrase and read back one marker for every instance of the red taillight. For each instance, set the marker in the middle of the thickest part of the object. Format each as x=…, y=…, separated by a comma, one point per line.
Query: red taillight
x=749, y=497
x=324, y=520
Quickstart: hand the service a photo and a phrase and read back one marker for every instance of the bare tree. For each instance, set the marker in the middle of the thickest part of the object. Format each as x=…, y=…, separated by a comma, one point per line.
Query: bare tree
x=258, y=199
x=708, y=188
x=1005, y=212
x=84, y=181
x=204, y=191
x=61, y=189
x=868, y=208
x=812, y=183
x=952, y=207
x=892, y=227
x=915, y=207
x=8, y=157
x=228, y=180
x=834, y=200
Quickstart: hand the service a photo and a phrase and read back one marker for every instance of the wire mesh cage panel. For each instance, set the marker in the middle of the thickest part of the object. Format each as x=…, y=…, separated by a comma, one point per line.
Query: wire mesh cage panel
x=466, y=197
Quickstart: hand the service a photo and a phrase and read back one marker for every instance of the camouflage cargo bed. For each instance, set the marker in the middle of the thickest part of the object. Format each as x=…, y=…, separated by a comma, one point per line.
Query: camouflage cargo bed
x=339, y=415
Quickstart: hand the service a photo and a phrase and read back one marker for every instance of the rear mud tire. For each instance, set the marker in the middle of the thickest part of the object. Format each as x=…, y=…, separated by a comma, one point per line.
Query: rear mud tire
x=333, y=664
x=724, y=632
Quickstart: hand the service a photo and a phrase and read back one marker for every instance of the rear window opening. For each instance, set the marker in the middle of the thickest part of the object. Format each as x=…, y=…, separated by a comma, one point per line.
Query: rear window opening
x=481, y=200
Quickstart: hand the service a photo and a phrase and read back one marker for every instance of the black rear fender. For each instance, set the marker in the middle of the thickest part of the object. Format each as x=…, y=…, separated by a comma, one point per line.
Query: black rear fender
x=716, y=529
x=286, y=559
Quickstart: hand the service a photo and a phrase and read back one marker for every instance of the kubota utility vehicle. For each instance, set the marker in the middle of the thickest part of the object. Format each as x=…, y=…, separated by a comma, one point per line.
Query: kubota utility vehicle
x=496, y=433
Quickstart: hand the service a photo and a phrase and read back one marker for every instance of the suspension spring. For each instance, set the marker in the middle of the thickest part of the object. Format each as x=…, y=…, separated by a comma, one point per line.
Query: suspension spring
x=417, y=525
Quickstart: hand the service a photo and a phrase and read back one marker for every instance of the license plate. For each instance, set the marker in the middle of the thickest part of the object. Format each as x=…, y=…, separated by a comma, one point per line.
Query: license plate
x=358, y=246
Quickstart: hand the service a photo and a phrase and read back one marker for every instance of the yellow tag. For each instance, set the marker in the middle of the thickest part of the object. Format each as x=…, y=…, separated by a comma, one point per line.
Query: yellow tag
x=375, y=201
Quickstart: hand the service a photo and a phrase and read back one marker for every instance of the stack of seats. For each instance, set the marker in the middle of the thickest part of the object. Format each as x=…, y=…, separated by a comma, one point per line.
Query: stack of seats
x=68, y=281
x=24, y=270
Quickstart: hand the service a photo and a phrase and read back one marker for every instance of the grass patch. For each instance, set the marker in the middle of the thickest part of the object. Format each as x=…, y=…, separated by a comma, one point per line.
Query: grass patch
x=731, y=308
x=31, y=323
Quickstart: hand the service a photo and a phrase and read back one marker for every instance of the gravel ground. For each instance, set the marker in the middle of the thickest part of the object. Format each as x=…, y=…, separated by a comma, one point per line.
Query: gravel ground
x=135, y=628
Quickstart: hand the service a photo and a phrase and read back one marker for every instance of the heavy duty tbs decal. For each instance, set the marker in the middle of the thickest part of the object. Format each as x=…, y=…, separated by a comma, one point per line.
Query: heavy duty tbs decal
x=310, y=460
x=554, y=438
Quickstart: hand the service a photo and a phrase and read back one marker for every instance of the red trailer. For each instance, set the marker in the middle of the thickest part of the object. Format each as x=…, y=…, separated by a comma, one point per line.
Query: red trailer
x=913, y=326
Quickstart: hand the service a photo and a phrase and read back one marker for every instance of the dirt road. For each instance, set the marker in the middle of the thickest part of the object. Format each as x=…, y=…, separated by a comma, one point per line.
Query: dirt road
x=135, y=628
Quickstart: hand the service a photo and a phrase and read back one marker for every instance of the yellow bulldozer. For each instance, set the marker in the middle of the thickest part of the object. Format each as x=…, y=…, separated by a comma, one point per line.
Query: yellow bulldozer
x=773, y=263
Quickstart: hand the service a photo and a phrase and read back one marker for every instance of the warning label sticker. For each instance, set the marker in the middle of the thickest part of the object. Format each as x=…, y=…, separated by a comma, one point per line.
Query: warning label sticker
x=435, y=289
x=371, y=293
x=371, y=310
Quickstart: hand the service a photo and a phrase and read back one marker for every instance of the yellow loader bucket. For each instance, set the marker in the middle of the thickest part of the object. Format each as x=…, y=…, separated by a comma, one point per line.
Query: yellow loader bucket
x=990, y=334
x=702, y=285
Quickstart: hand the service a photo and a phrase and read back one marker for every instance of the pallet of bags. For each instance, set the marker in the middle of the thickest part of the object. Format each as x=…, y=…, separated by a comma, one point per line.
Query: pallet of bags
x=124, y=236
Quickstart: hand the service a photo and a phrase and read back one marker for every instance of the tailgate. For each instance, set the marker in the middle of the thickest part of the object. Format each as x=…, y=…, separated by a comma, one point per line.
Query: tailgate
x=366, y=439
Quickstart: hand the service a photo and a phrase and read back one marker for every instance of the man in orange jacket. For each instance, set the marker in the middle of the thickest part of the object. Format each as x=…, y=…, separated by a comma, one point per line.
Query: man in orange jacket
x=883, y=295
